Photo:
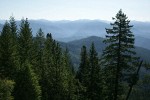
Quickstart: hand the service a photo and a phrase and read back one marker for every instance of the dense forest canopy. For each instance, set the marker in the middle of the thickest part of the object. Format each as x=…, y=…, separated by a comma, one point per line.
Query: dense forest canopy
x=41, y=68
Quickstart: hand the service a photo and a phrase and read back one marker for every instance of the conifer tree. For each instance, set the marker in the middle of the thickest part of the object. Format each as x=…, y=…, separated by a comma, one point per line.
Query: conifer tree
x=57, y=71
x=9, y=56
x=52, y=77
x=26, y=71
x=119, y=56
x=28, y=87
x=14, y=33
x=38, y=52
x=83, y=71
x=94, y=88
x=25, y=41
x=56, y=78
x=45, y=82
x=68, y=77
x=13, y=27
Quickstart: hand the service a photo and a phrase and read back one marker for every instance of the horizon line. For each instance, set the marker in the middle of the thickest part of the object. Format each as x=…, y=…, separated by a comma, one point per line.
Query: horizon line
x=70, y=20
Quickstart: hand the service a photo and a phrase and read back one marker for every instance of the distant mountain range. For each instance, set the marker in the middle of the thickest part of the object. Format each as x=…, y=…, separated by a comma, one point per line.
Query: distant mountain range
x=65, y=30
x=75, y=34
x=75, y=48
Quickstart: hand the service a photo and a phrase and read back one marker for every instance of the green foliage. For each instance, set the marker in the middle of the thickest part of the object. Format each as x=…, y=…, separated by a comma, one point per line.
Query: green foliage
x=25, y=41
x=119, y=56
x=142, y=89
x=6, y=88
x=95, y=77
x=57, y=80
x=27, y=84
x=89, y=74
x=40, y=69
x=69, y=77
x=83, y=70
x=38, y=45
x=45, y=80
x=9, y=61
x=13, y=27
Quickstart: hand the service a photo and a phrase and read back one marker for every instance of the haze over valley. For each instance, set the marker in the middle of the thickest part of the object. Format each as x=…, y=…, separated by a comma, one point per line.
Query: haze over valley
x=75, y=50
x=66, y=30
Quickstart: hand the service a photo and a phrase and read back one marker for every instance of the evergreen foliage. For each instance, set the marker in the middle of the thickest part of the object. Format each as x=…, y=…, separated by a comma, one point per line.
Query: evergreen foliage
x=69, y=77
x=89, y=74
x=6, y=88
x=83, y=71
x=37, y=68
x=27, y=84
x=38, y=46
x=95, y=77
x=9, y=61
x=25, y=41
x=118, y=57
x=56, y=76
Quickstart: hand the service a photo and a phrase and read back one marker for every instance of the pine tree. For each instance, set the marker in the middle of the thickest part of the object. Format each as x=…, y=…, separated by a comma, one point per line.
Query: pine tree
x=14, y=33
x=27, y=84
x=119, y=56
x=56, y=76
x=9, y=61
x=45, y=82
x=68, y=77
x=83, y=71
x=95, y=86
x=58, y=70
x=25, y=41
x=13, y=27
x=38, y=52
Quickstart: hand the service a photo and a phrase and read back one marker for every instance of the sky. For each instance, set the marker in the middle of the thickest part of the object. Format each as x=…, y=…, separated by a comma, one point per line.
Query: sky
x=138, y=10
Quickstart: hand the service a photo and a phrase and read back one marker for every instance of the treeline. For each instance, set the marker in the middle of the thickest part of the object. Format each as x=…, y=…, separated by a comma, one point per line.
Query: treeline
x=36, y=68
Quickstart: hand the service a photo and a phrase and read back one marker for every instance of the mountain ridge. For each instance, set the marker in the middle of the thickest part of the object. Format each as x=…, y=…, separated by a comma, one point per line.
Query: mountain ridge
x=66, y=30
x=74, y=48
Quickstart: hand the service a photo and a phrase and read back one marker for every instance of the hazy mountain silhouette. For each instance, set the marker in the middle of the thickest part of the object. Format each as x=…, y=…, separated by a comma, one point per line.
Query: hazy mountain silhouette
x=65, y=30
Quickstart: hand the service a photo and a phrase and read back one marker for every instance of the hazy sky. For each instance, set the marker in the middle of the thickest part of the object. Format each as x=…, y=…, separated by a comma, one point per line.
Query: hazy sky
x=74, y=9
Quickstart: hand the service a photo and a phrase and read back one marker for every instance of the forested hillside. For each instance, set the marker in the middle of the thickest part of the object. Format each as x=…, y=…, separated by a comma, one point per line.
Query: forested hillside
x=37, y=67
x=74, y=48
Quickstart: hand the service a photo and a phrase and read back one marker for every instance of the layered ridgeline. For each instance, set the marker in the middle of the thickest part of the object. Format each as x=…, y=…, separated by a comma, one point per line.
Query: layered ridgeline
x=74, y=34
x=37, y=67
x=75, y=48
x=65, y=30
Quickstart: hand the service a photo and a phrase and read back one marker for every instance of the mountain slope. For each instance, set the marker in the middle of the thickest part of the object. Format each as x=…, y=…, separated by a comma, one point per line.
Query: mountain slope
x=75, y=47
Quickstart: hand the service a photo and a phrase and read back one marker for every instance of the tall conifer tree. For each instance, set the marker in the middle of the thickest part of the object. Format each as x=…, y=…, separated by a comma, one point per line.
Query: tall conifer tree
x=38, y=52
x=83, y=71
x=119, y=56
x=68, y=77
x=25, y=41
x=46, y=83
x=95, y=78
x=27, y=84
x=9, y=58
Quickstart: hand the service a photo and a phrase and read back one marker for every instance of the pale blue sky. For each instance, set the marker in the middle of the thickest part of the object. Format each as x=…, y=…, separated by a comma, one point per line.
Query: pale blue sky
x=74, y=9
